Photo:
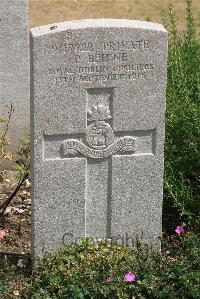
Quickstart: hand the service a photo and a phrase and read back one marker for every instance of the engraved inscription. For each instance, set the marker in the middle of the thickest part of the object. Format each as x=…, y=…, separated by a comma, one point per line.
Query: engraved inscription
x=101, y=62
x=114, y=57
x=102, y=73
x=126, y=45
x=121, y=45
x=82, y=47
x=72, y=147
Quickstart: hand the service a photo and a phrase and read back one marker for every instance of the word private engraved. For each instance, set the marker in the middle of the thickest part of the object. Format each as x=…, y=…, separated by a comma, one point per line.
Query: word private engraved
x=103, y=61
x=100, y=138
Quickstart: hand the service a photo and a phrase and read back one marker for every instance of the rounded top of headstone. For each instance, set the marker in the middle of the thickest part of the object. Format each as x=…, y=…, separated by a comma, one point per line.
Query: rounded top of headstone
x=96, y=23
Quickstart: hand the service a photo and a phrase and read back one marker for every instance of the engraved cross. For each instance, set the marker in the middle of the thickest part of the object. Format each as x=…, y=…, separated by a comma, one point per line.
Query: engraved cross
x=99, y=146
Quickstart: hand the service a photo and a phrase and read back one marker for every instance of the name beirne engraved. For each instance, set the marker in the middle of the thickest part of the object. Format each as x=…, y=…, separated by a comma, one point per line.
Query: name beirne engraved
x=107, y=61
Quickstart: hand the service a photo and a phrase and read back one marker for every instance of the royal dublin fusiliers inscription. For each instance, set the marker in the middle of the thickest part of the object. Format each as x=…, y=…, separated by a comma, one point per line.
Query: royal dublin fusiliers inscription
x=98, y=97
x=103, y=61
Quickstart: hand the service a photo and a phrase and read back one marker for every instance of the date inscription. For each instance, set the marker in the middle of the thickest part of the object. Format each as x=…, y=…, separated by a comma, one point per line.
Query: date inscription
x=108, y=61
x=101, y=73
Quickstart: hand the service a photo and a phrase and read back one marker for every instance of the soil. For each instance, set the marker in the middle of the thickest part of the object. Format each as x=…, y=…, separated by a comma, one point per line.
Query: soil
x=43, y=12
x=16, y=223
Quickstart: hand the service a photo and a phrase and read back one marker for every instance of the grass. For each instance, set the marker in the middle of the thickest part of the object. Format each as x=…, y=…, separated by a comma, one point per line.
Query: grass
x=182, y=150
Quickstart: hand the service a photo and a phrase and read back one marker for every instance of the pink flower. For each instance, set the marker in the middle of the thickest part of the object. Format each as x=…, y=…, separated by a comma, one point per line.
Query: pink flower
x=130, y=277
x=2, y=234
x=19, y=211
x=110, y=279
x=179, y=230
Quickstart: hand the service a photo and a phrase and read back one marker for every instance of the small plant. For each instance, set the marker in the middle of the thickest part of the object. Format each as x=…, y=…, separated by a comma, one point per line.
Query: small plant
x=182, y=150
x=107, y=270
x=22, y=165
x=4, y=140
x=12, y=277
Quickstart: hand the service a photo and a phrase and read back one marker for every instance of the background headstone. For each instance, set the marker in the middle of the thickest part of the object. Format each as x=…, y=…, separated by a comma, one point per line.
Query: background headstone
x=14, y=70
x=98, y=111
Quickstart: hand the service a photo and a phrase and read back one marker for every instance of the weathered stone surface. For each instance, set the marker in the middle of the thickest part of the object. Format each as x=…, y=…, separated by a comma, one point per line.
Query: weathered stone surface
x=14, y=69
x=98, y=110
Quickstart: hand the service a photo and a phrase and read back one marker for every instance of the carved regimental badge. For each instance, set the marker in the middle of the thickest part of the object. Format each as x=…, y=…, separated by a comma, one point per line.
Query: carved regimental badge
x=100, y=139
x=99, y=134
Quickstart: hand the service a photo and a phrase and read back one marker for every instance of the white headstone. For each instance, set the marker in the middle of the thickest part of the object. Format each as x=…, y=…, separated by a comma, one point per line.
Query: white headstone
x=14, y=70
x=98, y=112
